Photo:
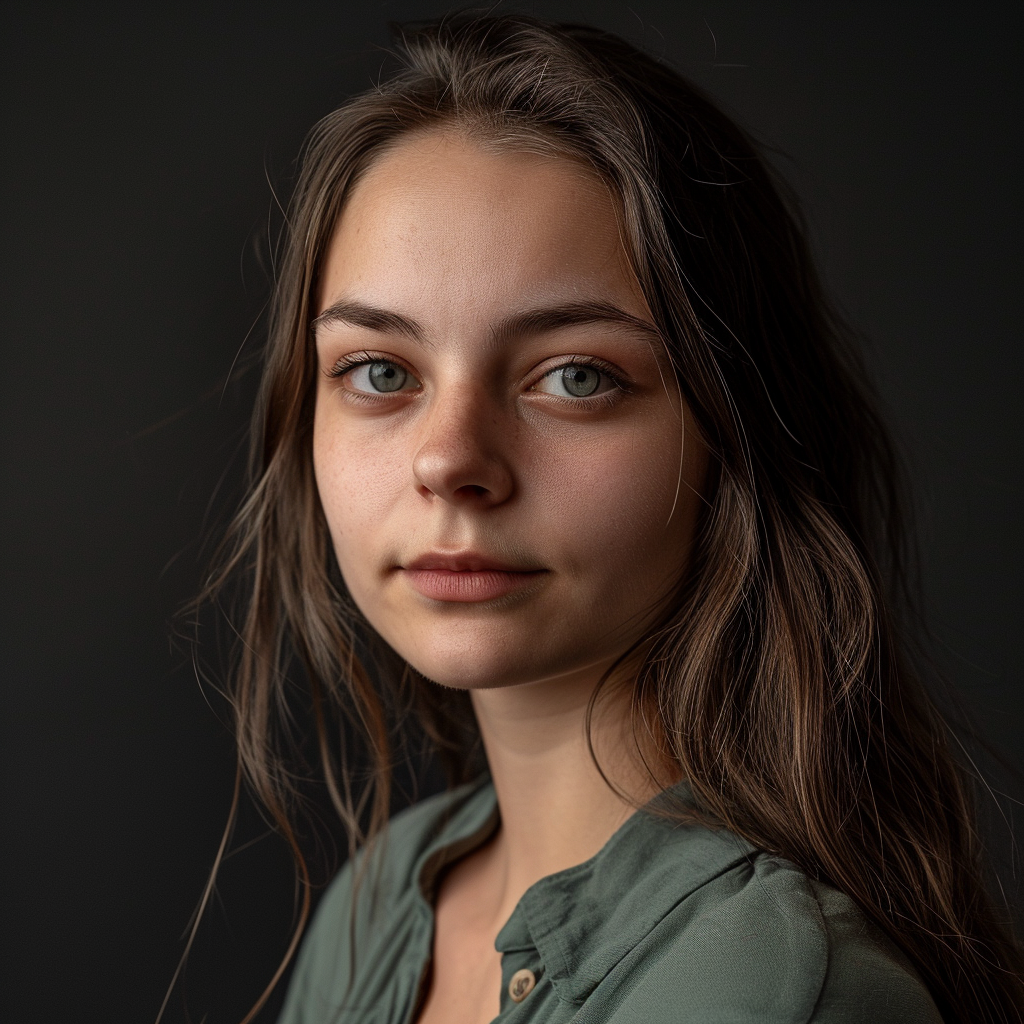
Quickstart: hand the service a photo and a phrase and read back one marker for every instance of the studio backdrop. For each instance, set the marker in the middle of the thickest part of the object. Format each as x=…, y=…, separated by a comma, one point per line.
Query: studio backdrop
x=147, y=148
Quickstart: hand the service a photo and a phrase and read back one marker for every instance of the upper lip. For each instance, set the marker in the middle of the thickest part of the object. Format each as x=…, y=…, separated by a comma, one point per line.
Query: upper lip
x=464, y=561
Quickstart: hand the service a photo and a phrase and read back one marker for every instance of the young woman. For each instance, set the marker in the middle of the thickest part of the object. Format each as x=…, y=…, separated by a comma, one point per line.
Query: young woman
x=555, y=419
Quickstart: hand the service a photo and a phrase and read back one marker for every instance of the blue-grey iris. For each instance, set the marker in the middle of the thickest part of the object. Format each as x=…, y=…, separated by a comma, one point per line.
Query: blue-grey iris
x=387, y=376
x=580, y=380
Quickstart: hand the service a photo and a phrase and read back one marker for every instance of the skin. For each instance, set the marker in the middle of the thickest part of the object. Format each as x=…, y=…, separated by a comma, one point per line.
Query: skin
x=482, y=448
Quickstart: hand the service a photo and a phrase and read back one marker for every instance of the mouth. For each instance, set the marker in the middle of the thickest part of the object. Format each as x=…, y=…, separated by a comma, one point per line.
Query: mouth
x=467, y=576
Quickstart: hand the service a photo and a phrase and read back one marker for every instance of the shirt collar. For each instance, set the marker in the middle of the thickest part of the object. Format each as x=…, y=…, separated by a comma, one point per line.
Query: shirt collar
x=584, y=920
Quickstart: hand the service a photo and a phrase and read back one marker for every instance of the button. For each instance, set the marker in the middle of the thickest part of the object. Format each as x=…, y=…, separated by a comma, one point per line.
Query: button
x=521, y=984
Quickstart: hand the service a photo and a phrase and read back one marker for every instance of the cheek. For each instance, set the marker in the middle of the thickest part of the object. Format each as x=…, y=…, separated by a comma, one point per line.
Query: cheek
x=613, y=501
x=356, y=481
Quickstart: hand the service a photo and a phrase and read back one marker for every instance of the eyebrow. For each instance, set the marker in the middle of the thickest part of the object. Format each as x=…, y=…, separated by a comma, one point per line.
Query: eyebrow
x=358, y=314
x=515, y=325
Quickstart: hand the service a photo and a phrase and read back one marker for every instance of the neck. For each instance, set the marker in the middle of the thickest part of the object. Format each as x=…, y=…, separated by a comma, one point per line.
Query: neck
x=556, y=808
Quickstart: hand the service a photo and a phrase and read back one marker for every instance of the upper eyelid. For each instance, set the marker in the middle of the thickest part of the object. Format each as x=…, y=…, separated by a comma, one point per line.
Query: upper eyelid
x=581, y=360
x=618, y=377
x=352, y=360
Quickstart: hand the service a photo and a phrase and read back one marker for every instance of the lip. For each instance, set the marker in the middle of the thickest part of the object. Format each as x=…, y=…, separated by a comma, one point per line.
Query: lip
x=467, y=576
x=464, y=561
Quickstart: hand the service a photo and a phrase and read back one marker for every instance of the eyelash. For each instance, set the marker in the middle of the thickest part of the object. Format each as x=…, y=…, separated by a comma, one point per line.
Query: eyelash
x=609, y=371
x=355, y=359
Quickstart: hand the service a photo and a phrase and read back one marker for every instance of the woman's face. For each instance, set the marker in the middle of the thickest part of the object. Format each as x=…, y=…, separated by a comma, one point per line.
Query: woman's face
x=499, y=441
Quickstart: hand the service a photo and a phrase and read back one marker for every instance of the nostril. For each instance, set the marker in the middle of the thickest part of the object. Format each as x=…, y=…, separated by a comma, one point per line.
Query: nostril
x=473, y=469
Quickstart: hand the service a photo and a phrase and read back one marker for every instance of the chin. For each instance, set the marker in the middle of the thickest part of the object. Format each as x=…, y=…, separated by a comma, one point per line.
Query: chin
x=466, y=652
x=481, y=668
x=470, y=673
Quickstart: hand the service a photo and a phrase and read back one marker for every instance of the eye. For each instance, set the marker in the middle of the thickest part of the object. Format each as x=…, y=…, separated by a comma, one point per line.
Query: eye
x=576, y=380
x=375, y=376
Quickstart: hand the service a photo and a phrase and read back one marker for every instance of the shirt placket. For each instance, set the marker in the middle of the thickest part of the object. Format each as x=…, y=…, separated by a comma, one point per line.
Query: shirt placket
x=523, y=978
x=523, y=984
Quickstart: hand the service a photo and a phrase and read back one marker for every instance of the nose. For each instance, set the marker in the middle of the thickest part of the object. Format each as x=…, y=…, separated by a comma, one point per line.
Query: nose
x=464, y=449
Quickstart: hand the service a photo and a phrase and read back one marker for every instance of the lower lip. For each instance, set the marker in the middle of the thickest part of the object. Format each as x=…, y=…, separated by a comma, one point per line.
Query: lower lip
x=468, y=585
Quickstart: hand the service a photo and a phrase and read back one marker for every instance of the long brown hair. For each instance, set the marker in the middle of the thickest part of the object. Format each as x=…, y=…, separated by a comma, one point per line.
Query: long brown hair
x=781, y=678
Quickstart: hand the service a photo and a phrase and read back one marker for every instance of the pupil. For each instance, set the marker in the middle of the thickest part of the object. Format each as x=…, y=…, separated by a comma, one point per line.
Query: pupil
x=580, y=381
x=387, y=376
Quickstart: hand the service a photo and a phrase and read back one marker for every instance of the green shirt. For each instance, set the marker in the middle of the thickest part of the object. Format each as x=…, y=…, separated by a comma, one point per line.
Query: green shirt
x=667, y=924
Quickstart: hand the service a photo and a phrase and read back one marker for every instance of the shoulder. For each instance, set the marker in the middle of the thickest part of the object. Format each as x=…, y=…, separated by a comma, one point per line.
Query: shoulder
x=379, y=884
x=764, y=943
x=386, y=873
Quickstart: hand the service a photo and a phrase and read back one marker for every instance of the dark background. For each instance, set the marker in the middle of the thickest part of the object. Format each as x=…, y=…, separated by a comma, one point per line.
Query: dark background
x=140, y=147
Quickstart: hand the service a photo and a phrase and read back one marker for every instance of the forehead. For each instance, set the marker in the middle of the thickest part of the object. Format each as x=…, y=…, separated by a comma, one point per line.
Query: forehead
x=440, y=221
